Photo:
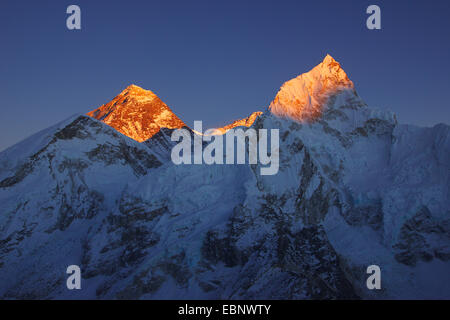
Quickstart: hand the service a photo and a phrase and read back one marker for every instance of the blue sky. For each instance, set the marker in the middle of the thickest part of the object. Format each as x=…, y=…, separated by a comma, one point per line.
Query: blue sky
x=216, y=61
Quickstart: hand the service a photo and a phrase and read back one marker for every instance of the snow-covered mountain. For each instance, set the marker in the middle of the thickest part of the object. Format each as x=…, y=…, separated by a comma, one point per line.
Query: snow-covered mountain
x=355, y=188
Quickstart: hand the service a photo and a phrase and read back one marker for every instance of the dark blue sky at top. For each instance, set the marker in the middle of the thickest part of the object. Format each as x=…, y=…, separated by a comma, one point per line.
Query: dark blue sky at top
x=215, y=61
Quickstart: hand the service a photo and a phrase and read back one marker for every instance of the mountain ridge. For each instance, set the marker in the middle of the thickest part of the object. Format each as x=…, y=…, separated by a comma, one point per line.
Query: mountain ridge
x=140, y=114
x=303, y=98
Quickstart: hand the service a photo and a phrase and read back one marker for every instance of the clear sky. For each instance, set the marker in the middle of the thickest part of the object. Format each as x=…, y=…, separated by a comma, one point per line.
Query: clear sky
x=216, y=61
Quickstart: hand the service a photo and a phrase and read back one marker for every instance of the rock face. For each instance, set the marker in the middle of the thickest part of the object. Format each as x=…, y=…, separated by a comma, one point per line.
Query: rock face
x=354, y=188
x=137, y=113
x=423, y=238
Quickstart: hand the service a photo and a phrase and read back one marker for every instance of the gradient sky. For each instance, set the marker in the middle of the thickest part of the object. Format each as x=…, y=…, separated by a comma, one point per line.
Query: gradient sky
x=216, y=61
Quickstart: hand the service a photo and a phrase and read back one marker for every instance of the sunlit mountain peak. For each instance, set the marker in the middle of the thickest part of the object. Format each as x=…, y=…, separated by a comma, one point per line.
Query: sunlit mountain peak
x=137, y=113
x=305, y=97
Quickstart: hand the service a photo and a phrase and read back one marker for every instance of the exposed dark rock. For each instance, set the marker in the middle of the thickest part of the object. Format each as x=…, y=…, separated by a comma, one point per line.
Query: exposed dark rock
x=420, y=238
x=371, y=215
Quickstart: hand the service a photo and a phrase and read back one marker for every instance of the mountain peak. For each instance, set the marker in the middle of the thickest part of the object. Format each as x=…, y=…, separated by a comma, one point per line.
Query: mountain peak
x=328, y=60
x=330, y=68
x=137, y=113
x=306, y=96
x=135, y=89
x=136, y=92
x=133, y=86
